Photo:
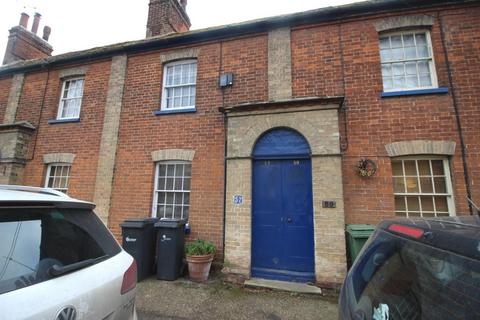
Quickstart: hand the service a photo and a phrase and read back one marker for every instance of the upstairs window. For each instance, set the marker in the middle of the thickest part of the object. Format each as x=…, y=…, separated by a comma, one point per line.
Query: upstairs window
x=71, y=99
x=407, y=61
x=58, y=176
x=422, y=187
x=179, y=85
x=172, y=190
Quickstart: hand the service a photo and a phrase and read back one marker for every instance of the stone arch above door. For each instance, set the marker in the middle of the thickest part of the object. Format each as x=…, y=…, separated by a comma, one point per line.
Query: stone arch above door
x=320, y=129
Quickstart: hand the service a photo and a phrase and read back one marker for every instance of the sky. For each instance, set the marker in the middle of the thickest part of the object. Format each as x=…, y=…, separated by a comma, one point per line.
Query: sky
x=84, y=24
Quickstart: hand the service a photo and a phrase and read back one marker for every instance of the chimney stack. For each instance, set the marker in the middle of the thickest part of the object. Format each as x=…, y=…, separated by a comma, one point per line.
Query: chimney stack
x=167, y=16
x=46, y=33
x=25, y=45
x=36, y=22
x=24, y=20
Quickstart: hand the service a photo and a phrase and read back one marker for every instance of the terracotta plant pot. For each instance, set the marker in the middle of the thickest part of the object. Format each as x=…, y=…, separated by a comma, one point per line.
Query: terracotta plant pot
x=199, y=267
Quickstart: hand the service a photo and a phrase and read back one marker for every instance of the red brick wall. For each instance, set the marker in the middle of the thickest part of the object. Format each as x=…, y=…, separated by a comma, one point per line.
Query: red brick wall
x=247, y=58
x=82, y=138
x=141, y=132
x=5, y=84
x=373, y=122
x=462, y=33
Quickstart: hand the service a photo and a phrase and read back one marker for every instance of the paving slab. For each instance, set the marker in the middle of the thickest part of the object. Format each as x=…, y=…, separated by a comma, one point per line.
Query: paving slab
x=283, y=286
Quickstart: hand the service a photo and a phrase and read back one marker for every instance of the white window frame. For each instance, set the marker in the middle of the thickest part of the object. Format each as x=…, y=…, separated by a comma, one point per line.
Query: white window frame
x=61, y=105
x=165, y=87
x=156, y=191
x=49, y=169
x=430, y=59
x=448, y=183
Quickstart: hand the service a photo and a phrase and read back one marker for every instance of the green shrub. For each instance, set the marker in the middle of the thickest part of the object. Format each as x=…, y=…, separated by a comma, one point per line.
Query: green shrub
x=199, y=248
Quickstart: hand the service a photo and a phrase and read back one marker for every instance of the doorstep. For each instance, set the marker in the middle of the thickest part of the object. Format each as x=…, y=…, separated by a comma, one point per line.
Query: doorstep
x=283, y=285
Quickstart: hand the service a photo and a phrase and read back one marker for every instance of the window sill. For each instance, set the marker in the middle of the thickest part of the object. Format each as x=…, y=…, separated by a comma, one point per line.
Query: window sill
x=164, y=112
x=413, y=92
x=56, y=121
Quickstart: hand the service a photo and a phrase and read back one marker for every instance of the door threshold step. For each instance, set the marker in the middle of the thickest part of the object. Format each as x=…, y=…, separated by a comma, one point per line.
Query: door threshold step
x=283, y=285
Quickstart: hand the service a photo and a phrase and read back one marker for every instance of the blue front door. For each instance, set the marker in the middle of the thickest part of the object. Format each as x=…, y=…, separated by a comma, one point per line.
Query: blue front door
x=282, y=220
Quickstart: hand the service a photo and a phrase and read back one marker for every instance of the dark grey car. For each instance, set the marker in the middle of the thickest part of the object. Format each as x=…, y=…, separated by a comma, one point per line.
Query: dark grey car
x=416, y=269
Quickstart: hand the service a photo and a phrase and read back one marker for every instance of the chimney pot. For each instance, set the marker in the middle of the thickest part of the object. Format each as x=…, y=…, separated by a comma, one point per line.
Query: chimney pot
x=36, y=22
x=24, y=20
x=46, y=32
x=183, y=3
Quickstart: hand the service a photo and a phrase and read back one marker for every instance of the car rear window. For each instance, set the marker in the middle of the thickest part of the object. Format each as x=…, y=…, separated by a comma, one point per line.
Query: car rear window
x=35, y=240
x=405, y=279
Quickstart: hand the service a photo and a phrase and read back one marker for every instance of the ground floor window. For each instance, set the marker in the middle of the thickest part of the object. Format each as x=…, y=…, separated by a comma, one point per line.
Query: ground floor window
x=58, y=176
x=422, y=187
x=172, y=190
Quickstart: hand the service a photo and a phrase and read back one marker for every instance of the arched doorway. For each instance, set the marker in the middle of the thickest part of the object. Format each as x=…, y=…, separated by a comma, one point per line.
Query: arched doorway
x=282, y=209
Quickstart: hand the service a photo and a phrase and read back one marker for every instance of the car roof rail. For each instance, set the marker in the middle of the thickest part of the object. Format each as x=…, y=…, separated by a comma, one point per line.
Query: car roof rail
x=47, y=191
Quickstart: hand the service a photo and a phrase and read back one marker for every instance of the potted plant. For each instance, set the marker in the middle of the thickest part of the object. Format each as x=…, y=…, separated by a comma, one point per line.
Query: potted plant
x=199, y=257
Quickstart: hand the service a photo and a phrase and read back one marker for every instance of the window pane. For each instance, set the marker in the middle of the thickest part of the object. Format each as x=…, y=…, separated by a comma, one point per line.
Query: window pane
x=437, y=167
x=423, y=67
x=384, y=42
x=421, y=39
x=397, y=169
x=410, y=53
x=169, y=185
x=424, y=167
x=170, y=170
x=396, y=41
x=161, y=198
x=397, y=54
x=426, y=185
x=425, y=81
x=168, y=211
x=186, y=199
x=398, y=185
x=440, y=186
x=387, y=70
x=188, y=170
x=411, y=68
x=399, y=82
x=412, y=185
x=388, y=83
x=408, y=40
x=413, y=204
x=398, y=69
x=178, y=183
x=400, y=203
x=186, y=184
x=427, y=203
x=410, y=167
x=385, y=55
x=411, y=81
x=423, y=52
x=178, y=198
x=441, y=204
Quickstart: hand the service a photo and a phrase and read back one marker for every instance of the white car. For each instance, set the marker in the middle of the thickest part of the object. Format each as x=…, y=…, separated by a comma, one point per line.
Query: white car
x=58, y=261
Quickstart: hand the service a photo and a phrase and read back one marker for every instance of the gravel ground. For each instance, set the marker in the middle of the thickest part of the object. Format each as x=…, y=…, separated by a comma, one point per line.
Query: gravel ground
x=185, y=300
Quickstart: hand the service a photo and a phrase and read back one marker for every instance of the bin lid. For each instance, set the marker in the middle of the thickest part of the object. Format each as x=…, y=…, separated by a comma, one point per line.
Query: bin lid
x=138, y=223
x=170, y=223
x=360, y=229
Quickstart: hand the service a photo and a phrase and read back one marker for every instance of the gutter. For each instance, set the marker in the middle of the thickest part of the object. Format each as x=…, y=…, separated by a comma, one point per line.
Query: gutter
x=329, y=14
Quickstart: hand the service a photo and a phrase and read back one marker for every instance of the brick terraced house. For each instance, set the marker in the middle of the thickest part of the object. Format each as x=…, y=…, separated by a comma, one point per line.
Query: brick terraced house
x=254, y=132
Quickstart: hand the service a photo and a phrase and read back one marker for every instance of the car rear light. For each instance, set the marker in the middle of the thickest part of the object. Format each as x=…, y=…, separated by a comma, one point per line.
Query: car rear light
x=408, y=231
x=129, y=278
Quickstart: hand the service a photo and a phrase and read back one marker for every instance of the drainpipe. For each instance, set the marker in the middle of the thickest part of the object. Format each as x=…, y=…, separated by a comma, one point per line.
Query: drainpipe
x=457, y=116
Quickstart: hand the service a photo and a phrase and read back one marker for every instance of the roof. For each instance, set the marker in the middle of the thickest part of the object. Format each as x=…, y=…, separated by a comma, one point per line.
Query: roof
x=328, y=14
x=11, y=196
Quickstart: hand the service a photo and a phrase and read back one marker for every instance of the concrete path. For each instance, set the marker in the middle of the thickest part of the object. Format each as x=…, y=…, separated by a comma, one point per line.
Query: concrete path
x=184, y=300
